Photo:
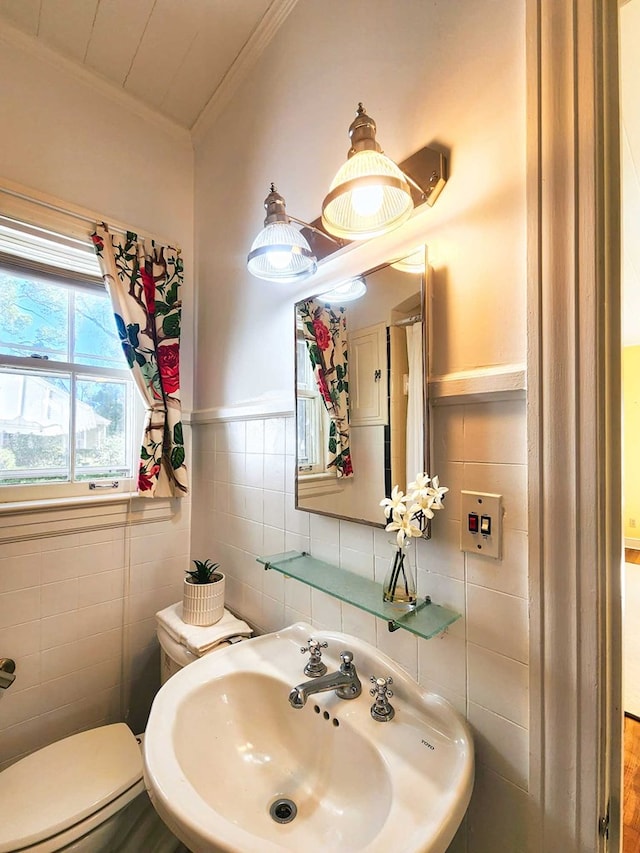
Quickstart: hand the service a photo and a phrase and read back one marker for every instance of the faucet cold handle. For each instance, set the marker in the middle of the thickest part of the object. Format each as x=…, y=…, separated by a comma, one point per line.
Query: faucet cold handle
x=382, y=711
x=315, y=667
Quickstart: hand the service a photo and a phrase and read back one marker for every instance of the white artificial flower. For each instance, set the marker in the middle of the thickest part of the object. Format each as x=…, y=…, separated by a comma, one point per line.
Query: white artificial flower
x=437, y=492
x=424, y=496
x=395, y=504
x=422, y=506
x=402, y=522
x=420, y=483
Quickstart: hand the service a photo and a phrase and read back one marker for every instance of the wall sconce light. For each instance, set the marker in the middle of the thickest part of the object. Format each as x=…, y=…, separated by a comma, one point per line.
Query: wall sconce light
x=280, y=252
x=346, y=291
x=370, y=194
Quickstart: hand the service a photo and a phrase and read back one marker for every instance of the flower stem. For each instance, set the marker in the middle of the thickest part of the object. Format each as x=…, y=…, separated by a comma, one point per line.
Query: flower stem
x=398, y=565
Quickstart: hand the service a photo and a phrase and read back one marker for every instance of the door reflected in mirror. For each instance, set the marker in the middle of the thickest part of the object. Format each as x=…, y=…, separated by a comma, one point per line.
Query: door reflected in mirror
x=361, y=401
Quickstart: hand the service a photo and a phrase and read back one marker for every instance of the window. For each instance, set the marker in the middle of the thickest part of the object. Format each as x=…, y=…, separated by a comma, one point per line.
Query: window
x=311, y=415
x=67, y=402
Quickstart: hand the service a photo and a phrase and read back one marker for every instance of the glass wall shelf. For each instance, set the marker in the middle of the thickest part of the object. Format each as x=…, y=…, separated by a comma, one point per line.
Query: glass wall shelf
x=427, y=620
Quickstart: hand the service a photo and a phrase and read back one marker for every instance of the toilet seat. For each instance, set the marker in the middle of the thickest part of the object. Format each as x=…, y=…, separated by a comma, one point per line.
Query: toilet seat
x=66, y=788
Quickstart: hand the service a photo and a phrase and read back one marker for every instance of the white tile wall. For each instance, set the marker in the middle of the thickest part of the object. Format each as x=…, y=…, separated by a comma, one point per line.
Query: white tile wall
x=480, y=664
x=77, y=614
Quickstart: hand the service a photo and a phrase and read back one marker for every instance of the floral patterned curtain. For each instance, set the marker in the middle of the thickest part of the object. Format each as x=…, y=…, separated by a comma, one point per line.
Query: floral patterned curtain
x=145, y=294
x=325, y=332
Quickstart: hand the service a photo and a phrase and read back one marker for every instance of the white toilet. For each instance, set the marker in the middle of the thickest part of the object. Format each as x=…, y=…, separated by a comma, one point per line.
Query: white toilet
x=85, y=793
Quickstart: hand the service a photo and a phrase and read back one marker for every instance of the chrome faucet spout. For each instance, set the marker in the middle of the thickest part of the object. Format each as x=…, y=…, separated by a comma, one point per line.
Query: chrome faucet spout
x=344, y=681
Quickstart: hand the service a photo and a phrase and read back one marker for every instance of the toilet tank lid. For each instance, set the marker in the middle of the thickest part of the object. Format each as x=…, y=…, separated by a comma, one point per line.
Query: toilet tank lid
x=55, y=787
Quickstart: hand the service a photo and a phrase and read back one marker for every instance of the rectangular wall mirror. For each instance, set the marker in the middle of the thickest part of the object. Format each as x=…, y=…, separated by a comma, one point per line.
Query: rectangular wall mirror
x=361, y=391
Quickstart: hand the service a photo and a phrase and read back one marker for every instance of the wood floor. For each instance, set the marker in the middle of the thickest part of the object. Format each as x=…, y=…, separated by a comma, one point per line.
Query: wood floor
x=631, y=805
x=631, y=555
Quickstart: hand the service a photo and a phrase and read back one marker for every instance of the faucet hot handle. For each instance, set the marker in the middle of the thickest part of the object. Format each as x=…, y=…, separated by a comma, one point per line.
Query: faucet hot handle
x=315, y=667
x=314, y=646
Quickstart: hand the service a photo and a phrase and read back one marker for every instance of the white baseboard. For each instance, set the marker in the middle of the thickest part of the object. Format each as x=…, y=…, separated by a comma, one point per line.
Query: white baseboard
x=632, y=543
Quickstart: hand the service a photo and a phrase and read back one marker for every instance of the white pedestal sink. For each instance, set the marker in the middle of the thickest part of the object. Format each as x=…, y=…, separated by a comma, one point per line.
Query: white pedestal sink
x=227, y=758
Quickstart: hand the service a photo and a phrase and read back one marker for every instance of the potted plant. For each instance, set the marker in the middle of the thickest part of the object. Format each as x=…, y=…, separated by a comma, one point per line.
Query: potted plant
x=203, y=594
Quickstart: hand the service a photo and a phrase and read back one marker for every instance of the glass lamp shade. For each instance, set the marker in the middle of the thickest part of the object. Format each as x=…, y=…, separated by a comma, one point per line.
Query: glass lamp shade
x=368, y=197
x=412, y=263
x=346, y=291
x=281, y=253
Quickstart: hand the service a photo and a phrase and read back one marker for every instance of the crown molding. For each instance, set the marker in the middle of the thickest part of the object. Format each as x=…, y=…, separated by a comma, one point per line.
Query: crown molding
x=251, y=51
x=35, y=48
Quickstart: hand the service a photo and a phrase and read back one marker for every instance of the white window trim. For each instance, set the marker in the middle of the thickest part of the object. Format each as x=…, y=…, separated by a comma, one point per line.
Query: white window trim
x=14, y=497
x=321, y=419
x=312, y=394
x=312, y=485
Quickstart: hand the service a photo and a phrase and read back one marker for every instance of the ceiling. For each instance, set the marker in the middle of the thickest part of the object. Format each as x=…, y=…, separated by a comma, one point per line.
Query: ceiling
x=172, y=55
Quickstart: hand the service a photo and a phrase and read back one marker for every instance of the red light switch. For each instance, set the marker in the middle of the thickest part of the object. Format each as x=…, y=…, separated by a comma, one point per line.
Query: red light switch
x=473, y=522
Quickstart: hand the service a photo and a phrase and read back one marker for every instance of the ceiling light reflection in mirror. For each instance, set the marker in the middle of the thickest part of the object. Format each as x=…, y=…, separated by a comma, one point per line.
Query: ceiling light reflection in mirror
x=347, y=291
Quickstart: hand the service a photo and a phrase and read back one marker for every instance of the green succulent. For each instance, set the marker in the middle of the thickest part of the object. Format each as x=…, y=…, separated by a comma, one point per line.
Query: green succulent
x=204, y=572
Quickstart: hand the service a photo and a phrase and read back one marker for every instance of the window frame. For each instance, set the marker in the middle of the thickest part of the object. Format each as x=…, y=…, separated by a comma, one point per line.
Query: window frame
x=99, y=486
x=313, y=480
x=310, y=393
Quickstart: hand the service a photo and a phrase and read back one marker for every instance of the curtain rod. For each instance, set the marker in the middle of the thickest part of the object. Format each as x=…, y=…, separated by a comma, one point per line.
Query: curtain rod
x=409, y=321
x=83, y=217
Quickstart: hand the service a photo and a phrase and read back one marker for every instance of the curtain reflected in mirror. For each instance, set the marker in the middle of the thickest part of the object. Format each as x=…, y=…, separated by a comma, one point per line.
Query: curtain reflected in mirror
x=361, y=392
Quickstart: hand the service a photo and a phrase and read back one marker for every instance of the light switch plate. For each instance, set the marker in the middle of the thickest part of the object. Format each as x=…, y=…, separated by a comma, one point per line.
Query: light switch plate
x=482, y=505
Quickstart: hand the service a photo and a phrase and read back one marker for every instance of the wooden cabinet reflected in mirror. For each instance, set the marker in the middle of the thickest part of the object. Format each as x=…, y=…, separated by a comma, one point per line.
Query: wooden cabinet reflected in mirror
x=361, y=400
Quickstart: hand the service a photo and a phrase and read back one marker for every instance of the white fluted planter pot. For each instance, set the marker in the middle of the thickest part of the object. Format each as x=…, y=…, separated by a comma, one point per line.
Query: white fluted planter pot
x=203, y=603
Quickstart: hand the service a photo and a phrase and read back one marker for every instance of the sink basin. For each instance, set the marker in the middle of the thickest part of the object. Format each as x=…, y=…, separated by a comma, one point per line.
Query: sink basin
x=231, y=766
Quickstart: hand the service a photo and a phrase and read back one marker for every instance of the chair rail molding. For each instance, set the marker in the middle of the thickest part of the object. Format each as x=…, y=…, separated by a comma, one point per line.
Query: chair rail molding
x=573, y=383
x=483, y=384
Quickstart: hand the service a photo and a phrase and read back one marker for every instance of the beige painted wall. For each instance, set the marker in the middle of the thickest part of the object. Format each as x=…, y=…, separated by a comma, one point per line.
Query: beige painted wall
x=631, y=422
x=446, y=73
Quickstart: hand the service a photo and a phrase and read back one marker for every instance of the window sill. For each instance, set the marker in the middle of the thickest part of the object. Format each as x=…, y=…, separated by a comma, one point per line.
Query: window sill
x=315, y=485
x=40, y=518
x=46, y=504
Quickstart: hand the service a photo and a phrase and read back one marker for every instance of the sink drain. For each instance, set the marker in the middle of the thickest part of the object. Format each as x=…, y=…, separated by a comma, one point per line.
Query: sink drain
x=283, y=810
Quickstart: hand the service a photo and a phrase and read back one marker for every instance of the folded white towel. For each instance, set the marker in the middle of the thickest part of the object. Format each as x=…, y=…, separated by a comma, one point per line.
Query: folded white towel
x=199, y=639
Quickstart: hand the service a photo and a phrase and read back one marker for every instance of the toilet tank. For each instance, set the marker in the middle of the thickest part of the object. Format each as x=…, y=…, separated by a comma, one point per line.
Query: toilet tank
x=181, y=644
x=173, y=655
